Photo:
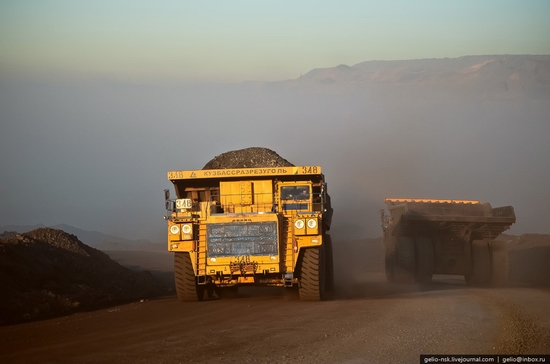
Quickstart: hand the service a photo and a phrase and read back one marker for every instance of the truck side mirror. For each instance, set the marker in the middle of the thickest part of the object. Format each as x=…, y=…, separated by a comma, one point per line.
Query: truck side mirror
x=166, y=194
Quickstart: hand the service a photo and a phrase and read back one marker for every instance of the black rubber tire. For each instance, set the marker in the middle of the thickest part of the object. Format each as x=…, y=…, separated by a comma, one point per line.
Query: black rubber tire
x=312, y=275
x=186, y=283
x=500, y=266
x=424, y=260
x=329, y=268
x=405, y=260
x=481, y=269
x=389, y=260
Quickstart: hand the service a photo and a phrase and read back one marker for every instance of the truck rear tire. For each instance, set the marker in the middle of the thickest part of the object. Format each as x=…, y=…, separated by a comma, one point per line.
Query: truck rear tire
x=329, y=268
x=389, y=259
x=481, y=268
x=186, y=283
x=424, y=260
x=499, y=255
x=405, y=261
x=312, y=275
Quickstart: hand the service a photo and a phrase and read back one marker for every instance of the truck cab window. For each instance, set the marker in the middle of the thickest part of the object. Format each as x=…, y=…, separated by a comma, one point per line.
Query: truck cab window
x=295, y=198
x=295, y=193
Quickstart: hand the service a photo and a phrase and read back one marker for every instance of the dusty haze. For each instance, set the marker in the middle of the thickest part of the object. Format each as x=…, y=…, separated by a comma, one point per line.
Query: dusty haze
x=94, y=153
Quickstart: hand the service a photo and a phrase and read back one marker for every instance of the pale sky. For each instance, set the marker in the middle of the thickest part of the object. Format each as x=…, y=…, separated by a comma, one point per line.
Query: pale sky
x=234, y=41
x=99, y=99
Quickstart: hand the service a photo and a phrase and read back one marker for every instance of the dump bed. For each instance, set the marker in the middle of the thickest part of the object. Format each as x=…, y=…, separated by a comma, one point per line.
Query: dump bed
x=455, y=216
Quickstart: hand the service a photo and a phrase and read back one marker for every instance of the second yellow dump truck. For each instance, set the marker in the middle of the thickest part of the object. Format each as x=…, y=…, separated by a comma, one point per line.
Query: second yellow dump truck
x=250, y=226
x=423, y=237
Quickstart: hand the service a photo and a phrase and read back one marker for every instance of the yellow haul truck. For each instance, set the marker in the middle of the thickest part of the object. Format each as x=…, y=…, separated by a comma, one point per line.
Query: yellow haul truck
x=250, y=226
x=423, y=237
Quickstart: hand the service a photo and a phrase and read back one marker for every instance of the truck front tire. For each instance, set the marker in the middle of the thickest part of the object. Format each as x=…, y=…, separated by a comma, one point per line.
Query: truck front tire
x=186, y=282
x=312, y=275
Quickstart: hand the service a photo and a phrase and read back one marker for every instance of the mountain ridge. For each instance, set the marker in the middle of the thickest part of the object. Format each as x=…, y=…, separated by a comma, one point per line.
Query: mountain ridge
x=505, y=72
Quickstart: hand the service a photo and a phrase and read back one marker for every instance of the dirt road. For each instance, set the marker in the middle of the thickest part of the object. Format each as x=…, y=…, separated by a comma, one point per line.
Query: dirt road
x=368, y=322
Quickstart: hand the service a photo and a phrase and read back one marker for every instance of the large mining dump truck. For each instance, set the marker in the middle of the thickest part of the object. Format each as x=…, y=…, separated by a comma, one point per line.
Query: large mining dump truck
x=426, y=237
x=250, y=226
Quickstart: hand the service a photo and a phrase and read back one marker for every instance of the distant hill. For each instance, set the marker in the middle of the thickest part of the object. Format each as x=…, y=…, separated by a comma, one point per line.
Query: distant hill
x=93, y=239
x=505, y=73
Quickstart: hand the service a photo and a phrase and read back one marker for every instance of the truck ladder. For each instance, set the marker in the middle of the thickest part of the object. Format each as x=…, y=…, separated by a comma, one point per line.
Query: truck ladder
x=201, y=254
x=289, y=254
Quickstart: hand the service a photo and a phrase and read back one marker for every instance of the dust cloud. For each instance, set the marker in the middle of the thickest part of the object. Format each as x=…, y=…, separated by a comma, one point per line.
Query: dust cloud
x=94, y=154
x=359, y=267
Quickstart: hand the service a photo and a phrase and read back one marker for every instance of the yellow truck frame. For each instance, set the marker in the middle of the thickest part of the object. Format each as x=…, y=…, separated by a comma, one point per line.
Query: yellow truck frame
x=250, y=226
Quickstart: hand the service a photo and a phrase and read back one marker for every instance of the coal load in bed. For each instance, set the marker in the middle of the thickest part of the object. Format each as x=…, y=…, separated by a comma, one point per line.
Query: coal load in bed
x=47, y=272
x=254, y=157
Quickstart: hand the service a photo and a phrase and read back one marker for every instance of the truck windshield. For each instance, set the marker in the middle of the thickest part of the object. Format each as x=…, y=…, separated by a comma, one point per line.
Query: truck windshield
x=295, y=193
x=295, y=197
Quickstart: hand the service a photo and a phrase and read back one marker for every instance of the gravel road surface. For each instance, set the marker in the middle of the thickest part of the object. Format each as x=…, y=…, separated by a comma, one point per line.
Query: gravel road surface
x=369, y=321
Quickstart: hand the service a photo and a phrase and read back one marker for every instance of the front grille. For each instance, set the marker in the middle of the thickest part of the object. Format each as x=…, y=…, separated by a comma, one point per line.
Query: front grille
x=246, y=238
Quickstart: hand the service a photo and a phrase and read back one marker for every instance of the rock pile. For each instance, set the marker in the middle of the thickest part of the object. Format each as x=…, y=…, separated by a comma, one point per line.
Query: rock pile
x=47, y=272
x=248, y=158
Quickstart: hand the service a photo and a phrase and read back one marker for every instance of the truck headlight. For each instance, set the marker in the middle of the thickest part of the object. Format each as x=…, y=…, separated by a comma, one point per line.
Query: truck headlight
x=186, y=228
x=175, y=229
x=312, y=223
x=299, y=224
